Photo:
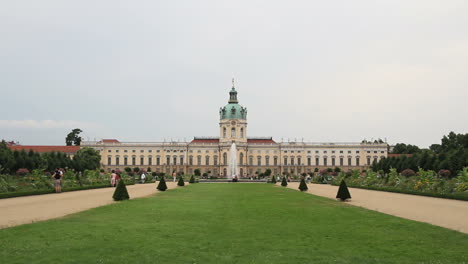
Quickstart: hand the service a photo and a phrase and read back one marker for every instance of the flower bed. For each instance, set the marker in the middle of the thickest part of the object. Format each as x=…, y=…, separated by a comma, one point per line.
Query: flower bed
x=425, y=183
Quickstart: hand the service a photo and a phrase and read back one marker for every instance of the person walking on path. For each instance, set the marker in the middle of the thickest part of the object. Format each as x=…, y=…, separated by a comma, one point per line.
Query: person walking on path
x=143, y=177
x=174, y=175
x=57, y=176
x=113, y=178
x=117, y=179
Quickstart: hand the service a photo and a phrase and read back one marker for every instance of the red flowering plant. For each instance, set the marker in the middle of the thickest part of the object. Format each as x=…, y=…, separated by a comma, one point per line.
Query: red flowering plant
x=22, y=172
x=408, y=173
x=444, y=173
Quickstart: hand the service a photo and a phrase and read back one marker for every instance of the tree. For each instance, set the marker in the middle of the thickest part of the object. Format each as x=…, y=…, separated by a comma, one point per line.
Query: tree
x=86, y=159
x=121, y=192
x=284, y=182
x=192, y=179
x=197, y=172
x=267, y=172
x=162, y=184
x=303, y=186
x=273, y=179
x=343, y=192
x=181, y=181
x=402, y=148
x=73, y=137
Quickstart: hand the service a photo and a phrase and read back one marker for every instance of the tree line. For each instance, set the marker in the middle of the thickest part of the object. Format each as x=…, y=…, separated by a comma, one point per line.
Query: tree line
x=12, y=161
x=451, y=154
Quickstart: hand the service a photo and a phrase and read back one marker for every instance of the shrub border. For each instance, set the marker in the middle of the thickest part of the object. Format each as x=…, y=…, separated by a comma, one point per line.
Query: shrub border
x=396, y=190
x=40, y=192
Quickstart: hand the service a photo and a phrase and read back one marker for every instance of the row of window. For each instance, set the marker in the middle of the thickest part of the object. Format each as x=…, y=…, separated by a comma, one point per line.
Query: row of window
x=250, y=151
x=233, y=132
x=291, y=161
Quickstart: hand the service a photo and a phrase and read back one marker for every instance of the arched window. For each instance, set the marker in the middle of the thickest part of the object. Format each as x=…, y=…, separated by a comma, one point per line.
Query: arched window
x=207, y=160
x=224, y=132
x=198, y=160
x=233, y=132
x=267, y=160
x=242, y=132
x=225, y=158
x=190, y=160
x=241, y=159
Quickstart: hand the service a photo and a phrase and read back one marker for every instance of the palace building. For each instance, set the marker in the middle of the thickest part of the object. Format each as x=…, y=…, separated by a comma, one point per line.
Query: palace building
x=211, y=155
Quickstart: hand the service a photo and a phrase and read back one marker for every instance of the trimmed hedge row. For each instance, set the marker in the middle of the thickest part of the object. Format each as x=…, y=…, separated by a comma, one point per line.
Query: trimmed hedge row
x=453, y=196
x=39, y=192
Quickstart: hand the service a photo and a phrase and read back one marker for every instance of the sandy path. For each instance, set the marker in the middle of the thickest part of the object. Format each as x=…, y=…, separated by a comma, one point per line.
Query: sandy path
x=447, y=213
x=28, y=209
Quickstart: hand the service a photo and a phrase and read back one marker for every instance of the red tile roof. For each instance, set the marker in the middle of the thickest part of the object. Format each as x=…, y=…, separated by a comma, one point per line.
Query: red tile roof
x=398, y=155
x=260, y=141
x=110, y=141
x=210, y=140
x=44, y=149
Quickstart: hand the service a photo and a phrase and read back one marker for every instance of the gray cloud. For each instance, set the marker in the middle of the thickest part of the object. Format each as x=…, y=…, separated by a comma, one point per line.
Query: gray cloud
x=149, y=70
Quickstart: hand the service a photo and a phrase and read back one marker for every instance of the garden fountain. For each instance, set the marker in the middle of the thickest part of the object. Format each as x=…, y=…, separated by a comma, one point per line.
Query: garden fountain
x=233, y=162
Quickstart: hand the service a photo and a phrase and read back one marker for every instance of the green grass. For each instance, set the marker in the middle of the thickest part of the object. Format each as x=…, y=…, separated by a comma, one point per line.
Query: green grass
x=231, y=223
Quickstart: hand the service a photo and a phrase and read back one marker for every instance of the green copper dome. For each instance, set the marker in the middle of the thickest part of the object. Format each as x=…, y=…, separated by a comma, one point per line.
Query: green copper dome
x=233, y=110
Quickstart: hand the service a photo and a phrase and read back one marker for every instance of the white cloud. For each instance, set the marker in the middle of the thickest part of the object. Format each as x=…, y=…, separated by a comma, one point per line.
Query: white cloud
x=46, y=124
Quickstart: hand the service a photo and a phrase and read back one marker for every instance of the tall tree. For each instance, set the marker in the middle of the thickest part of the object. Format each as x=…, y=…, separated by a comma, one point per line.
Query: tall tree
x=74, y=137
x=86, y=159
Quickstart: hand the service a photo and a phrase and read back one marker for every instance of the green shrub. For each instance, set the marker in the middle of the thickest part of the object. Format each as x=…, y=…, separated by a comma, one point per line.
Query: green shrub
x=181, y=181
x=303, y=186
x=121, y=192
x=343, y=192
x=284, y=182
x=162, y=186
x=192, y=179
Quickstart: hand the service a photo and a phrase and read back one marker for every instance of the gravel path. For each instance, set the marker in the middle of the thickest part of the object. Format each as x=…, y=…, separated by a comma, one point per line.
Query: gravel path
x=29, y=209
x=452, y=214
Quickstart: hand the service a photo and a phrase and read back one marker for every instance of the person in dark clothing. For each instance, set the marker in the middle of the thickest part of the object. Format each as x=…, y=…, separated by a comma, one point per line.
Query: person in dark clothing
x=57, y=176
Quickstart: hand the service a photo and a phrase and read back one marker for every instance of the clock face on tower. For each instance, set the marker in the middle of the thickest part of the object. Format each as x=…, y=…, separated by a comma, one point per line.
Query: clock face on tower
x=233, y=123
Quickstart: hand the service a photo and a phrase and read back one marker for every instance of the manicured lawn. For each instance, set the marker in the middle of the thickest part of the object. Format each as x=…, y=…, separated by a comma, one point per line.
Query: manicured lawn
x=231, y=223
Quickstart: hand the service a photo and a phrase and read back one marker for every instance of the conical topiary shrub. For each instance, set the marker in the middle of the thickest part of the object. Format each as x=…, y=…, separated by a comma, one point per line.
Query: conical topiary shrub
x=121, y=192
x=181, y=181
x=162, y=184
x=343, y=192
x=284, y=182
x=273, y=179
x=192, y=179
x=303, y=186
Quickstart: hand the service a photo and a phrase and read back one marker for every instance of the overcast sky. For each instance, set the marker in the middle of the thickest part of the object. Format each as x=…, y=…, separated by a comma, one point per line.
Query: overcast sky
x=322, y=71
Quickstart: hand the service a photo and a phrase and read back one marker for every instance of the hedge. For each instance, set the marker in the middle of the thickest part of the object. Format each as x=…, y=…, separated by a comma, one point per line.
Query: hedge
x=453, y=196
